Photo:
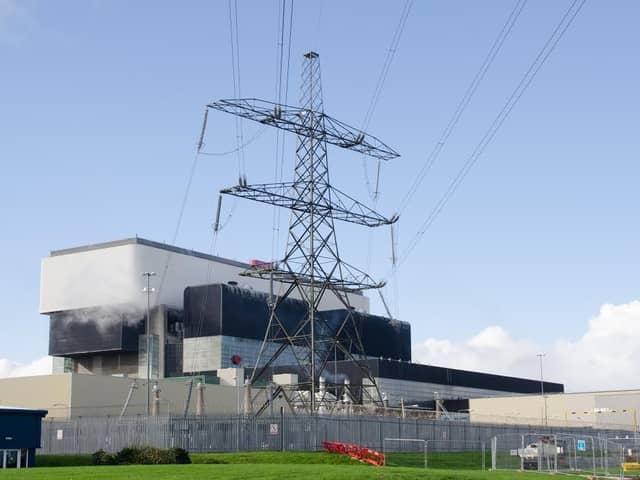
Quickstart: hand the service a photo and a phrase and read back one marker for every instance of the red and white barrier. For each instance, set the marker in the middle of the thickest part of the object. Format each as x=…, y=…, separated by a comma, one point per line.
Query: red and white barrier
x=362, y=454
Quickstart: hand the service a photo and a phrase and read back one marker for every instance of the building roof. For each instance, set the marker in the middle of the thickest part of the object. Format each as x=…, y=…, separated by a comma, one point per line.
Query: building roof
x=588, y=392
x=22, y=411
x=431, y=374
x=148, y=243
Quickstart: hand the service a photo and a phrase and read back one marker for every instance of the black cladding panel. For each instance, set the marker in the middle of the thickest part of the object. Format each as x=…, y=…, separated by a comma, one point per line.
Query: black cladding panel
x=221, y=309
x=463, y=378
x=202, y=311
x=381, y=337
x=232, y=311
x=93, y=330
x=245, y=313
x=415, y=372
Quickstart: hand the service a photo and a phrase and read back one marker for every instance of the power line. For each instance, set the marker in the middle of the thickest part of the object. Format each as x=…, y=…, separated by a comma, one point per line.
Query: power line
x=235, y=61
x=453, y=121
x=464, y=102
x=255, y=136
x=283, y=73
x=377, y=92
x=240, y=145
x=235, y=72
x=534, y=68
x=279, y=134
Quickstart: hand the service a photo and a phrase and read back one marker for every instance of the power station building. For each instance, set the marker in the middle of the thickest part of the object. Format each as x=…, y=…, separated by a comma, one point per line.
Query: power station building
x=204, y=313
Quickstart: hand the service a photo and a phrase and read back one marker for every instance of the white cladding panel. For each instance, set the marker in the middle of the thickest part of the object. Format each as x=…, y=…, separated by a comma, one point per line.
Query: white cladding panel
x=113, y=276
x=90, y=278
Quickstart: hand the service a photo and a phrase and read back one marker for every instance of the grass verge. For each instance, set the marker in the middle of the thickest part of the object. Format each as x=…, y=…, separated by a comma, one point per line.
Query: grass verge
x=255, y=471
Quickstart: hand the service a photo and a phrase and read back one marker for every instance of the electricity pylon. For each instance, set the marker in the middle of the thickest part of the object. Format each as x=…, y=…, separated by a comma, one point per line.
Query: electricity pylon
x=312, y=265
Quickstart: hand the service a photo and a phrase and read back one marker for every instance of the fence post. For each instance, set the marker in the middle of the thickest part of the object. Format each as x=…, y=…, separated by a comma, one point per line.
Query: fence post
x=594, y=456
x=494, y=448
x=76, y=434
x=483, y=455
x=282, y=428
x=620, y=459
x=426, y=454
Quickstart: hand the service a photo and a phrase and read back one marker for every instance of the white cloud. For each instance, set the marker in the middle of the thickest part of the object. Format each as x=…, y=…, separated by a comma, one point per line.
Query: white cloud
x=606, y=356
x=40, y=366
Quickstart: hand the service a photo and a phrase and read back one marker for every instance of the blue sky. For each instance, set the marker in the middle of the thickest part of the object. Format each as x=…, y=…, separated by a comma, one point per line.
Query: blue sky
x=101, y=106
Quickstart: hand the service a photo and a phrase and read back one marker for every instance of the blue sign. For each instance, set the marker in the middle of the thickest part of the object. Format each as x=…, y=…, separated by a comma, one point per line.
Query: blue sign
x=581, y=445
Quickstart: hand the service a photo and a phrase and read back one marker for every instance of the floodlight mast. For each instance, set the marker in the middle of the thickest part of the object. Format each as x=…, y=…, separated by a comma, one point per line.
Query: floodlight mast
x=312, y=265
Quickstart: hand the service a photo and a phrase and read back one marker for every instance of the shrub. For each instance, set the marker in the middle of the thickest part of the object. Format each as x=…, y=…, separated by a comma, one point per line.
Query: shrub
x=103, y=458
x=180, y=455
x=141, y=455
x=129, y=456
x=98, y=457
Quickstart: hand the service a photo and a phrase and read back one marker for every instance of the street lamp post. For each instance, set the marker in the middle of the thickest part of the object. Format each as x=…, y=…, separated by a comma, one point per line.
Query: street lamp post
x=544, y=400
x=148, y=291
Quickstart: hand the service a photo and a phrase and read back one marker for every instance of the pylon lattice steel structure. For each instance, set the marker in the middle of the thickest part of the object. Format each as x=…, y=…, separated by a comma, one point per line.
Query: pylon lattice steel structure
x=312, y=265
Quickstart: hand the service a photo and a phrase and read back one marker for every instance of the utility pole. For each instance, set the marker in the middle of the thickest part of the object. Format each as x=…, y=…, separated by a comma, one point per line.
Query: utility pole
x=544, y=400
x=148, y=290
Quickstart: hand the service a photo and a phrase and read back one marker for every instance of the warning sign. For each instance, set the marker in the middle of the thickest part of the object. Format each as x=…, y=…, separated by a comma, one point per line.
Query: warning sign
x=273, y=429
x=59, y=434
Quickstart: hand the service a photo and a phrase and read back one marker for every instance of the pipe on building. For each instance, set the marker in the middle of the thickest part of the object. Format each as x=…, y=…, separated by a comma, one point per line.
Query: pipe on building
x=132, y=387
x=200, y=399
x=155, y=406
x=187, y=399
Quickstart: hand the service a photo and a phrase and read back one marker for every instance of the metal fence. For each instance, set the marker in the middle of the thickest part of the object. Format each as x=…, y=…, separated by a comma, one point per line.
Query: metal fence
x=458, y=454
x=280, y=432
x=576, y=453
x=405, y=452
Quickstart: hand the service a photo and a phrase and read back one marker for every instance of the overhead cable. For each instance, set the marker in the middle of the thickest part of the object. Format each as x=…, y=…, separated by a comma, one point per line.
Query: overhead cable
x=254, y=137
x=282, y=92
x=373, y=103
x=534, y=68
x=235, y=72
x=464, y=102
x=377, y=91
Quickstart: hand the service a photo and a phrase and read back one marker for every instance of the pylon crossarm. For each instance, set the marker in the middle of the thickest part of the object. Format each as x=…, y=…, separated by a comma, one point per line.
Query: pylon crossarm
x=342, y=207
x=295, y=120
x=348, y=284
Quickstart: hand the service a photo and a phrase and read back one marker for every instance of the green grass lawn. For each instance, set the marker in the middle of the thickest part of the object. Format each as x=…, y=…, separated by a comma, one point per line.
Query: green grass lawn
x=255, y=465
x=256, y=471
x=300, y=458
x=443, y=460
